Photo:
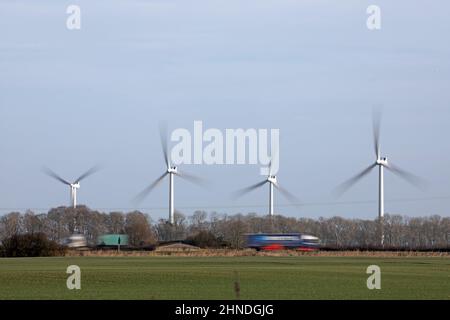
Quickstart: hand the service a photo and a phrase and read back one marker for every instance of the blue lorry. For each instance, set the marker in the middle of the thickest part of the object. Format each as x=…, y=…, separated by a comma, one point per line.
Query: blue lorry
x=282, y=241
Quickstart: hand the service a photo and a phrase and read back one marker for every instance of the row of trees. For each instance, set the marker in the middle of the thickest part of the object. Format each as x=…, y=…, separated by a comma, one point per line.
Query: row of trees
x=59, y=223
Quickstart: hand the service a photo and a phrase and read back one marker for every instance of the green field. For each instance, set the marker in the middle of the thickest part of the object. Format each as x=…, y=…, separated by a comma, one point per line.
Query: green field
x=304, y=277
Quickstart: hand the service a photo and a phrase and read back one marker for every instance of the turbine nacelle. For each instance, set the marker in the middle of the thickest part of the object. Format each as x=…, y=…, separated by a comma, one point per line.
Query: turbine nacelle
x=382, y=161
x=272, y=179
x=172, y=170
x=75, y=185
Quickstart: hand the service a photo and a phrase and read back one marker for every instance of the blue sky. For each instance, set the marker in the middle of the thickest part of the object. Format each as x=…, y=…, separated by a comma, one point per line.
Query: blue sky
x=71, y=99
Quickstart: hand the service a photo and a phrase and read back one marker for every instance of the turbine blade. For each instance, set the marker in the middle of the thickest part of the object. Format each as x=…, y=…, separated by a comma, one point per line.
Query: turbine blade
x=192, y=178
x=288, y=195
x=147, y=190
x=376, y=119
x=241, y=192
x=52, y=174
x=274, y=153
x=350, y=182
x=407, y=176
x=163, y=137
x=91, y=171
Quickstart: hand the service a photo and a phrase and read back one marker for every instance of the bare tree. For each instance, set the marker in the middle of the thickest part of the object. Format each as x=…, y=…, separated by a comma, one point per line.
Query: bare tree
x=198, y=221
x=116, y=222
x=10, y=224
x=138, y=229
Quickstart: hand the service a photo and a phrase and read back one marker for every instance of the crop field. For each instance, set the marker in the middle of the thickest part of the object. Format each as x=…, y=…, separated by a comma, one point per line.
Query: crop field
x=257, y=277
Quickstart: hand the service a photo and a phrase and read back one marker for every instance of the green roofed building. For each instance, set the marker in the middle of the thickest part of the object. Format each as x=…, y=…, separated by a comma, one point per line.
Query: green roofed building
x=112, y=240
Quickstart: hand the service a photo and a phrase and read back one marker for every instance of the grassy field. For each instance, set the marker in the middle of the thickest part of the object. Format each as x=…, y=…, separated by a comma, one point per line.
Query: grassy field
x=304, y=277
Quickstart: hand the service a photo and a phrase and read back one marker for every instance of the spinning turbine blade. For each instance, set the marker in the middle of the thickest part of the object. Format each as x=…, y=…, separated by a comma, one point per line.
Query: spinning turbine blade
x=91, y=171
x=274, y=152
x=376, y=131
x=292, y=198
x=147, y=190
x=192, y=178
x=163, y=137
x=50, y=173
x=407, y=176
x=350, y=182
x=243, y=191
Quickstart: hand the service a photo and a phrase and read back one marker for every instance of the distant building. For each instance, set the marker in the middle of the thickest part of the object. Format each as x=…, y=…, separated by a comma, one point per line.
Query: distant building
x=111, y=240
x=177, y=247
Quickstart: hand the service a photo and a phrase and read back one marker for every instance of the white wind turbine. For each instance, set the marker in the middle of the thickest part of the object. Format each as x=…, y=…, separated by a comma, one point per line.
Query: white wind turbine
x=380, y=162
x=171, y=171
x=74, y=186
x=271, y=179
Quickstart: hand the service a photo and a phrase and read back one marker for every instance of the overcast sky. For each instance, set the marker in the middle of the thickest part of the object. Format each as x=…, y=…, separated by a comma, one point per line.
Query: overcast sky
x=72, y=99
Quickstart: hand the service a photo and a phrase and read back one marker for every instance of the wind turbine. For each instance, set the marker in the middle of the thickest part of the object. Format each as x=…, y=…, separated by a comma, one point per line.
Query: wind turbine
x=171, y=171
x=381, y=162
x=271, y=179
x=74, y=186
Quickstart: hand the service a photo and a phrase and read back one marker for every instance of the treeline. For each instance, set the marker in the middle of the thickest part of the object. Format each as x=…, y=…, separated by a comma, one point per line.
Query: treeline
x=30, y=245
x=214, y=229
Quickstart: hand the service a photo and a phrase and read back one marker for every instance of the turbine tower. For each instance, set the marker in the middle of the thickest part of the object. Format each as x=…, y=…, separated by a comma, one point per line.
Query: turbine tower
x=381, y=162
x=171, y=171
x=74, y=186
x=271, y=179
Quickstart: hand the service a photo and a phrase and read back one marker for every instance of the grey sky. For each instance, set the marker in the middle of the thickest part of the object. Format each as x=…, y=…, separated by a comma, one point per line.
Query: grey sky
x=71, y=99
